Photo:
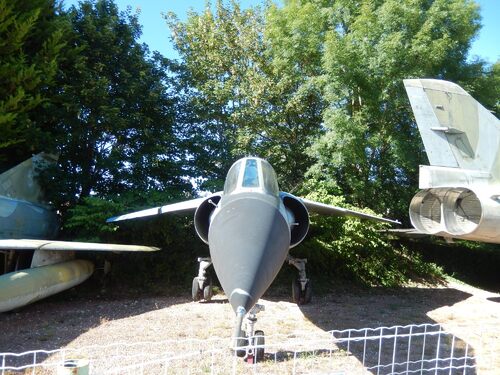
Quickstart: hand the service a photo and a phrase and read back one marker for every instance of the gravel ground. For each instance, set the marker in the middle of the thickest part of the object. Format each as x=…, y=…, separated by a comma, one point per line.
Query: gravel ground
x=136, y=328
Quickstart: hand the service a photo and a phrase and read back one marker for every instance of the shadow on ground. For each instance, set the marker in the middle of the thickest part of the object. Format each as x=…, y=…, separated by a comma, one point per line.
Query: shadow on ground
x=376, y=307
x=358, y=308
x=343, y=307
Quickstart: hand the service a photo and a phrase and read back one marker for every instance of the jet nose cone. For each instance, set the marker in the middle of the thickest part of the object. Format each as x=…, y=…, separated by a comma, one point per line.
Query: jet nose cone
x=249, y=240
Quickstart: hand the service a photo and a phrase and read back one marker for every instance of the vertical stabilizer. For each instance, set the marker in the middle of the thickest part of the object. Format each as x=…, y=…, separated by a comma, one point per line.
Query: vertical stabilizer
x=457, y=131
x=460, y=189
x=20, y=181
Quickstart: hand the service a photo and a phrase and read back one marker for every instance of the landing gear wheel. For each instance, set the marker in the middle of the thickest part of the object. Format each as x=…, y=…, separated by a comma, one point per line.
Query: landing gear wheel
x=207, y=291
x=202, y=285
x=299, y=296
x=308, y=293
x=259, y=342
x=296, y=291
x=241, y=343
x=196, y=292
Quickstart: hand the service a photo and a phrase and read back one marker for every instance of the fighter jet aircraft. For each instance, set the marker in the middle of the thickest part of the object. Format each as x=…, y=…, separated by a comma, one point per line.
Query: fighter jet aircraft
x=460, y=196
x=249, y=228
x=35, y=267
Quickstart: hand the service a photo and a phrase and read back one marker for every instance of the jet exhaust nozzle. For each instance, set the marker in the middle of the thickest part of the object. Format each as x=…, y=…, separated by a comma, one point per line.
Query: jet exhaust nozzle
x=457, y=212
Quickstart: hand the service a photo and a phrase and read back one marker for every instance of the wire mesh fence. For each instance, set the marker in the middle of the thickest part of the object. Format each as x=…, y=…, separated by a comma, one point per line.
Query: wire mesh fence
x=412, y=349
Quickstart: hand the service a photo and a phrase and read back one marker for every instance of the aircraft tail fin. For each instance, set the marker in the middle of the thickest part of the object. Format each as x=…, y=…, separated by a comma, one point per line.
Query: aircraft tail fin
x=20, y=181
x=457, y=131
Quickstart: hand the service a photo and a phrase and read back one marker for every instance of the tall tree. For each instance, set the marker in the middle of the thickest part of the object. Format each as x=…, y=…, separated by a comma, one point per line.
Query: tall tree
x=220, y=51
x=31, y=37
x=294, y=37
x=116, y=110
x=370, y=151
x=244, y=100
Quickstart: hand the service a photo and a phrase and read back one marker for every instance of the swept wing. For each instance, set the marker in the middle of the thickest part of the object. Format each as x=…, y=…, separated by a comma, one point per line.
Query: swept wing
x=193, y=204
x=325, y=209
x=185, y=206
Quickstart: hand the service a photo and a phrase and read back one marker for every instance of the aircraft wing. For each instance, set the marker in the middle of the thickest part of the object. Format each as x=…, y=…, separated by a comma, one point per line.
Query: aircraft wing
x=69, y=246
x=325, y=209
x=185, y=206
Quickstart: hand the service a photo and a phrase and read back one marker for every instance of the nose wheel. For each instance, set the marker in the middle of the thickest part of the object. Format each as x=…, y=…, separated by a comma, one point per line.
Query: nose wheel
x=250, y=344
x=257, y=344
x=301, y=287
x=202, y=285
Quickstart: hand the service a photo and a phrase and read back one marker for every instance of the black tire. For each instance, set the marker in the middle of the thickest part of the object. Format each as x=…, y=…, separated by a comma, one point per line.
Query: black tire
x=308, y=293
x=296, y=291
x=259, y=340
x=195, y=290
x=207, y=291
x=241, y=343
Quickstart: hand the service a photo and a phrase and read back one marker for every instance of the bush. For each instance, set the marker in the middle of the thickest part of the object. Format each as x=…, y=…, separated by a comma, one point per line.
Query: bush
x=356, y=250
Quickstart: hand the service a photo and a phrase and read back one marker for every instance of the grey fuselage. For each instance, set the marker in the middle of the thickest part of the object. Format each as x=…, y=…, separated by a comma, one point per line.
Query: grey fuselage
x=249, y=228
x=27, y=220
x=249, y=235
x=22, y=211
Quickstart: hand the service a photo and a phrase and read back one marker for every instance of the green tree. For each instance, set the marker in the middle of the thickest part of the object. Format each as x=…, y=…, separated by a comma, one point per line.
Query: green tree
x=371, y=149
x=244, y=99
x=220, y=52
x=116, y=111
x=293, y=37
x=31, y=38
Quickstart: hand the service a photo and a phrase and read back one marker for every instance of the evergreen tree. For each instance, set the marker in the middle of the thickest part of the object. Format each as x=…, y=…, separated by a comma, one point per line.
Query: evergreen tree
x=31, y=38
x=116, y=111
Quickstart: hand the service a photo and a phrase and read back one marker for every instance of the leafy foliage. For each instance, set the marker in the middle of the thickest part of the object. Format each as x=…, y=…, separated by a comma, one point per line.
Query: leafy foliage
x=355, y=250
x=87, y=220
x=361, y=52
x=243, y=98
x=31, y=38
x=473, y=262
x=220, y=61
x=116, y=113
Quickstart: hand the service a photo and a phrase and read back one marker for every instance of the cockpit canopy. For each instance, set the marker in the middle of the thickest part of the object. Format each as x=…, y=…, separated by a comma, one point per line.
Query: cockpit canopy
x=251, y=174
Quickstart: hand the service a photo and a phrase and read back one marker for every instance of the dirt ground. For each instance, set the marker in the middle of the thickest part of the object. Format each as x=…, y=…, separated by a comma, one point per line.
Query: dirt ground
x=144, y=324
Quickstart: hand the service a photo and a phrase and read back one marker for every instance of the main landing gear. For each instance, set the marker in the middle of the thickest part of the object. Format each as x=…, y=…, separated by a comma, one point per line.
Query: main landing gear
x=202, y=285
x=250, y=344
x=301, y=287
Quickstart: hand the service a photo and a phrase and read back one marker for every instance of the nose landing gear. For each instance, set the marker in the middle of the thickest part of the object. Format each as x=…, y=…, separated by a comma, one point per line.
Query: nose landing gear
x=202, y=285
x=250, y=344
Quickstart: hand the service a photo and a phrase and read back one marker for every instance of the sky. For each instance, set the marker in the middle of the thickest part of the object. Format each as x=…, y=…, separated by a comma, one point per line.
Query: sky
x=157, y=35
